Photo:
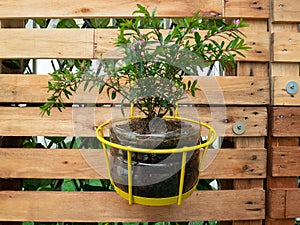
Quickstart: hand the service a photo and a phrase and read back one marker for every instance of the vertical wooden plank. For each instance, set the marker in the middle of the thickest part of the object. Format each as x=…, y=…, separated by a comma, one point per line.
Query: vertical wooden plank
x=278, y=182
x=279, y=69
x=253, y=183
x=251, y=69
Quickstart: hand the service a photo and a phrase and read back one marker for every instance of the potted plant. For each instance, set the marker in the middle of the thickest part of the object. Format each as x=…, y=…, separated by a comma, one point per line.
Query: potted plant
x=154, y=154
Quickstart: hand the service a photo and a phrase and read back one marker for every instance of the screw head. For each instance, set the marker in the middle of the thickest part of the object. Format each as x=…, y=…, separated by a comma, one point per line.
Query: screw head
x=239, y=128
x=292, y=87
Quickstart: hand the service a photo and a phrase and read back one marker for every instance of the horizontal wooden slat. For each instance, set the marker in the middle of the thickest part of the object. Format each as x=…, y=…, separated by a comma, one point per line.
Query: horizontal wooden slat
x=89, y=207
x=116, y=8
x=90, y=43
x=285, y=122
x=18, y=88
x=46, y=43
x=286, y=46
x=286, y=161
x=90, y=164
x=122, y=8
x=247, y=8
x=288, y=200
x=259, y=44
x=286, y=11
x=16, y=121
x=281, y=96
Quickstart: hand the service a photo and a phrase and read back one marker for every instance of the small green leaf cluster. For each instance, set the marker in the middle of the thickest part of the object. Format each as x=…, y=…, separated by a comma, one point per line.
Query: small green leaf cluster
x=150, y=75
x=64, y=81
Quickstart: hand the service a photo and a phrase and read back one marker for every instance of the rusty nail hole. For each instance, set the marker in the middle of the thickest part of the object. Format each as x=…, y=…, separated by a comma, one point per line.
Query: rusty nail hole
x=254, y=157
x=226, y=120
x=246, y=167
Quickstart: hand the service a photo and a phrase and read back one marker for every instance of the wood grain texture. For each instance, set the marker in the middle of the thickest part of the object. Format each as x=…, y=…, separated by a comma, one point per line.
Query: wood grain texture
x=259, y=44
x=286, y=47
x=285, y=69
x=115, y=9
x=288, y=198
x=213, y=90
x=292, y=203
x=286, y=10
x=124, y=8
x=247, y=8
x=46, y=43
x=281, y=96
x=90, y=164
x=285, y=122
x=276, y=200
x=89, y=207
x=26, y=121
x=92, y=43
x=286, y=161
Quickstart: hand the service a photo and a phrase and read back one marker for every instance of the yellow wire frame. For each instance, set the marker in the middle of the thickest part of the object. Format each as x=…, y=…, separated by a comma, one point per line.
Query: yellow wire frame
x=156, y=201
x=158, y=151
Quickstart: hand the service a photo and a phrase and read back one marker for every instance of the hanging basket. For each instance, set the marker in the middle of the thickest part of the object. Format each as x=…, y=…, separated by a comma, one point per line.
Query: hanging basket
x=154, y=176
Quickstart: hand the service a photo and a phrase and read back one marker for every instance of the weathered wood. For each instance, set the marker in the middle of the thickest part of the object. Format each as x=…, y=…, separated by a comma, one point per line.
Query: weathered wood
x=90, y=9
x=26, y=121
x=288, y=199
x=90, y=164
x=46, y=43
x=91, y=43
x=286, y=11
x=292, y=203
x=285, y=122
x=286, y=47
x=281, y=96
x=11, y=184
x=285, y=69
x=276, y=200
x=286, y=161
x=89, y=207
x=248, y=183
x=247, y=8
x=231, y=90
x=259, y=44
x=112, y=9
x=253, y=69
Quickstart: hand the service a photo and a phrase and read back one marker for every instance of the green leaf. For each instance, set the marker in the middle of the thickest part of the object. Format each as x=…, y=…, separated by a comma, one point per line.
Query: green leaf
x=100, y=22
x=86, y=84
x=197, y=38
x=153, y=12
x=41, y=22
x=189, y=84
x=56, y=140
x=67, y=23
x=113, y=94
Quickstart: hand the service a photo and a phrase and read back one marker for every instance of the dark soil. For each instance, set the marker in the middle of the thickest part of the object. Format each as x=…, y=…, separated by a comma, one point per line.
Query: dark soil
x=154, y=175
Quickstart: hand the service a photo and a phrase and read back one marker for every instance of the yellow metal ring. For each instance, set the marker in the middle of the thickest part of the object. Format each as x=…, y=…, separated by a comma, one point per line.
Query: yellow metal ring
x=211, y=138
